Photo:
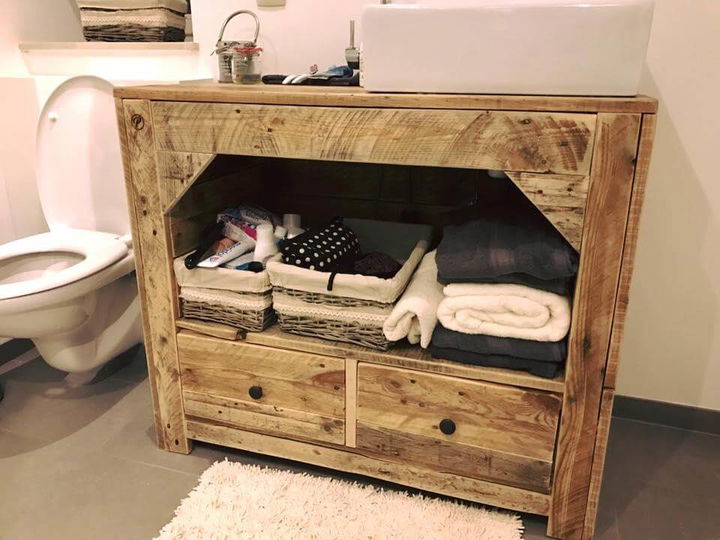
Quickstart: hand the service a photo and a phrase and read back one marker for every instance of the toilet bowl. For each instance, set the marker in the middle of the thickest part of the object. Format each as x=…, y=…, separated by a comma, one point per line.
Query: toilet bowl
x=72, y=290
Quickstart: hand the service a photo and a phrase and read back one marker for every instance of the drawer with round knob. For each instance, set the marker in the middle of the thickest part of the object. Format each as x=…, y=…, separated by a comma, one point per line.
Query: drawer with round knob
x=482, y=430
x=287, y=393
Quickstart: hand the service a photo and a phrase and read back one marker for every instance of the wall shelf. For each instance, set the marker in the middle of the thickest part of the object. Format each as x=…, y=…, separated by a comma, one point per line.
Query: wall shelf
x=116, y=61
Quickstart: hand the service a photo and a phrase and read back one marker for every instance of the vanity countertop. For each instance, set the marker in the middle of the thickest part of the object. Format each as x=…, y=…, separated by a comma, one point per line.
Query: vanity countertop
x=206, y=91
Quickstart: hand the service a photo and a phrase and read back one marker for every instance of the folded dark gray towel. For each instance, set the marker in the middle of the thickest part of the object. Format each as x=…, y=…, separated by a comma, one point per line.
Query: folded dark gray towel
x=492, y=247
x=547, y=370
x=525, y=349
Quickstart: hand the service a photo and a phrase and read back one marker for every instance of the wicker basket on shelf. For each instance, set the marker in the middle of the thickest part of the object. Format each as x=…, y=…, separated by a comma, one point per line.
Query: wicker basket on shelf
x=133, y=20
x=353, y=312
x=231, y=297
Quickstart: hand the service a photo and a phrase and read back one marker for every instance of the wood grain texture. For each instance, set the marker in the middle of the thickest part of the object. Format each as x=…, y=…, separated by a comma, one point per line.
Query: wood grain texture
x=262, y=417
x=177, y=171
x=357, y=97
x=408, y=356
x=561, y=199
x=303, y=395
x=155, y=281
x=456, y=458
x=513, y=141
x=504, y=418
x=349, y=461
x=217, y=330
x=647, y=134
x=207, y=194
x=593, y=308
x=598, y=466
x=351, y=394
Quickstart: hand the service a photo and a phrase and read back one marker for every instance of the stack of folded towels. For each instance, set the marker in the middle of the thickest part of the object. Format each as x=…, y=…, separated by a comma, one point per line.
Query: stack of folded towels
x=499, y=289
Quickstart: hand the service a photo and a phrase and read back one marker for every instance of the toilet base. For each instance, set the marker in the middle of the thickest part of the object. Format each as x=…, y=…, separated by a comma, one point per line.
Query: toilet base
x=112, y=327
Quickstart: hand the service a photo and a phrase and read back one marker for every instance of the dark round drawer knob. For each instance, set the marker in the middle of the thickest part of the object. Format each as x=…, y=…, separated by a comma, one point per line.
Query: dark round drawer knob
x=255, y=392
x=447, y=426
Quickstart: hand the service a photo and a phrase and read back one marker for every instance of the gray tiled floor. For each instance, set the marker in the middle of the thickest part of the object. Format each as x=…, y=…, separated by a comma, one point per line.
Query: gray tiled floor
x=81, y=464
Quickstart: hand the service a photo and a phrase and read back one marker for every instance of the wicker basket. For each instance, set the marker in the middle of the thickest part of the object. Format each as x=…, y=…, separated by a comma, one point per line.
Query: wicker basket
x=133, y=20
x=232, y=297
x=354, y=311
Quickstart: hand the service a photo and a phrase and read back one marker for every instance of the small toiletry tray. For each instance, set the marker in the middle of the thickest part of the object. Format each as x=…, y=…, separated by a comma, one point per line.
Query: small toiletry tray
x=356, y=308
x=237, y=298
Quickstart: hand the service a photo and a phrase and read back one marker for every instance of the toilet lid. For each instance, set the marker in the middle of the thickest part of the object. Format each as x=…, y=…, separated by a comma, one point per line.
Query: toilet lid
x=79, y=167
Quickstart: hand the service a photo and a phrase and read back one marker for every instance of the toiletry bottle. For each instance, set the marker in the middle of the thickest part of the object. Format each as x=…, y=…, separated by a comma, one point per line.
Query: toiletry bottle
x=266, y=245
x=292, y=223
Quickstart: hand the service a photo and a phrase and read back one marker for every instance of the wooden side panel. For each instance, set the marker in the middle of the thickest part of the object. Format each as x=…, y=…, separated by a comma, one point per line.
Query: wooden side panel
x=647, y=135
x=348, y=461
x=561, y=198
x=177, y=171
x=501, y=433
x=513, y=141
x=155, y=281
x=598, y=466
x=605, y=221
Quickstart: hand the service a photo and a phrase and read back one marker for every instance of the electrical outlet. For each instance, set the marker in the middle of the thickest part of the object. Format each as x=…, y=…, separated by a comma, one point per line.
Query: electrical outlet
x=270, y=3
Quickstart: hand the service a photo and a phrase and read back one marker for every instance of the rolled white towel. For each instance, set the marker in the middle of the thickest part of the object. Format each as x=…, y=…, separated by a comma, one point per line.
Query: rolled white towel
x=504, y=310
x=415, y=314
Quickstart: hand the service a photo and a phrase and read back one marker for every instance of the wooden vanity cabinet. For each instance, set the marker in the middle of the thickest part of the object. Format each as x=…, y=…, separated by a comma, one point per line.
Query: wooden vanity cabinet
x=489, y=435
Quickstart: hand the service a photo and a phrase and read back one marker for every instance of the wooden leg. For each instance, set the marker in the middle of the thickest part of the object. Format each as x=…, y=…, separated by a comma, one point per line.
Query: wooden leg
x=151, y=246
x=598, y=466
x=611, y=180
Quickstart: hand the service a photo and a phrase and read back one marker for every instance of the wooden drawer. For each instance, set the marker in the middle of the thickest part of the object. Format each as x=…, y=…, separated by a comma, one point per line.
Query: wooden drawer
x=263, y=389
x=481, y=430
x=476, y=139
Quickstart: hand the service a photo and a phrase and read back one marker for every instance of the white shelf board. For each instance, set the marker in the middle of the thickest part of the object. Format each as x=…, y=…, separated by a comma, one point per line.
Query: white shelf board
x=99, y=48
x=114, y=61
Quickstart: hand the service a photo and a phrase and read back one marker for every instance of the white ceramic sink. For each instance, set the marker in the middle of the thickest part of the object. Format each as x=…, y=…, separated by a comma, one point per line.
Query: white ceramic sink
x=558, y=47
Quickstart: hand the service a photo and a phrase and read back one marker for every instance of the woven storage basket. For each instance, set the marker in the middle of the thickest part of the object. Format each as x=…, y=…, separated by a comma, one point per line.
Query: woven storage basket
x=220, y=295
x=354, y=311
x=133, y=20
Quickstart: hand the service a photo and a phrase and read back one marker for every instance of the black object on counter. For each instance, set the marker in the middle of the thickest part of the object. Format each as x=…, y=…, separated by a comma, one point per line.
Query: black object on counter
x=209, y=236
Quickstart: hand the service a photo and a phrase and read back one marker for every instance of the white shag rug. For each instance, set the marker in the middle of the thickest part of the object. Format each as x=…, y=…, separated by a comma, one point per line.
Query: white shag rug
x=238, y=501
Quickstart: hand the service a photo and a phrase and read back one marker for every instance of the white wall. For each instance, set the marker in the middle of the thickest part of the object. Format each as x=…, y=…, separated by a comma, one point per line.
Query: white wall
x=672, y=341
x=24, y=20
x=303, y=33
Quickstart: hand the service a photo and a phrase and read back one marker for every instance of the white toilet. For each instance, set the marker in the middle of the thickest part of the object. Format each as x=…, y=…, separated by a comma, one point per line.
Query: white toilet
x=72, y=290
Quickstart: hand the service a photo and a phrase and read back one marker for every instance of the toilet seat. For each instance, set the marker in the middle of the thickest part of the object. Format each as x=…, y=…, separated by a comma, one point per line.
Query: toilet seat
x=95, y=251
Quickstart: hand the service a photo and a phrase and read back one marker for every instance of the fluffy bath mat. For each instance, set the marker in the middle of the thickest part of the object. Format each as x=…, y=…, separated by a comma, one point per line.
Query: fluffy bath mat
x=238, y=501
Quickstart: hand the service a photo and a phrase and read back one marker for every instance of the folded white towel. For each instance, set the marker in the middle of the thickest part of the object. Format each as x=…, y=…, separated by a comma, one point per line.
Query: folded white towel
x=504, y=310
x=415, y=314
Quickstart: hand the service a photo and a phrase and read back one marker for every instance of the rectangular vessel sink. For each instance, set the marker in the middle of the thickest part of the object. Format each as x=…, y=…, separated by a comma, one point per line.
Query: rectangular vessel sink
x=558, y=47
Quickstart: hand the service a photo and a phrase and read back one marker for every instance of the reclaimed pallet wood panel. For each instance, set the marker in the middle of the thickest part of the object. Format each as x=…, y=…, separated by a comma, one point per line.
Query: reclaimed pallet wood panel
x=500, y=433
x=593, y=308
x=407, y=356
x=357, y=97
x=512, y=141
x=260, y=389
x=155, y=280
x=561, y=199
x=647, y=134
x=598, y=466
x=452, y=485
x=178, y=171
x=265, y=418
